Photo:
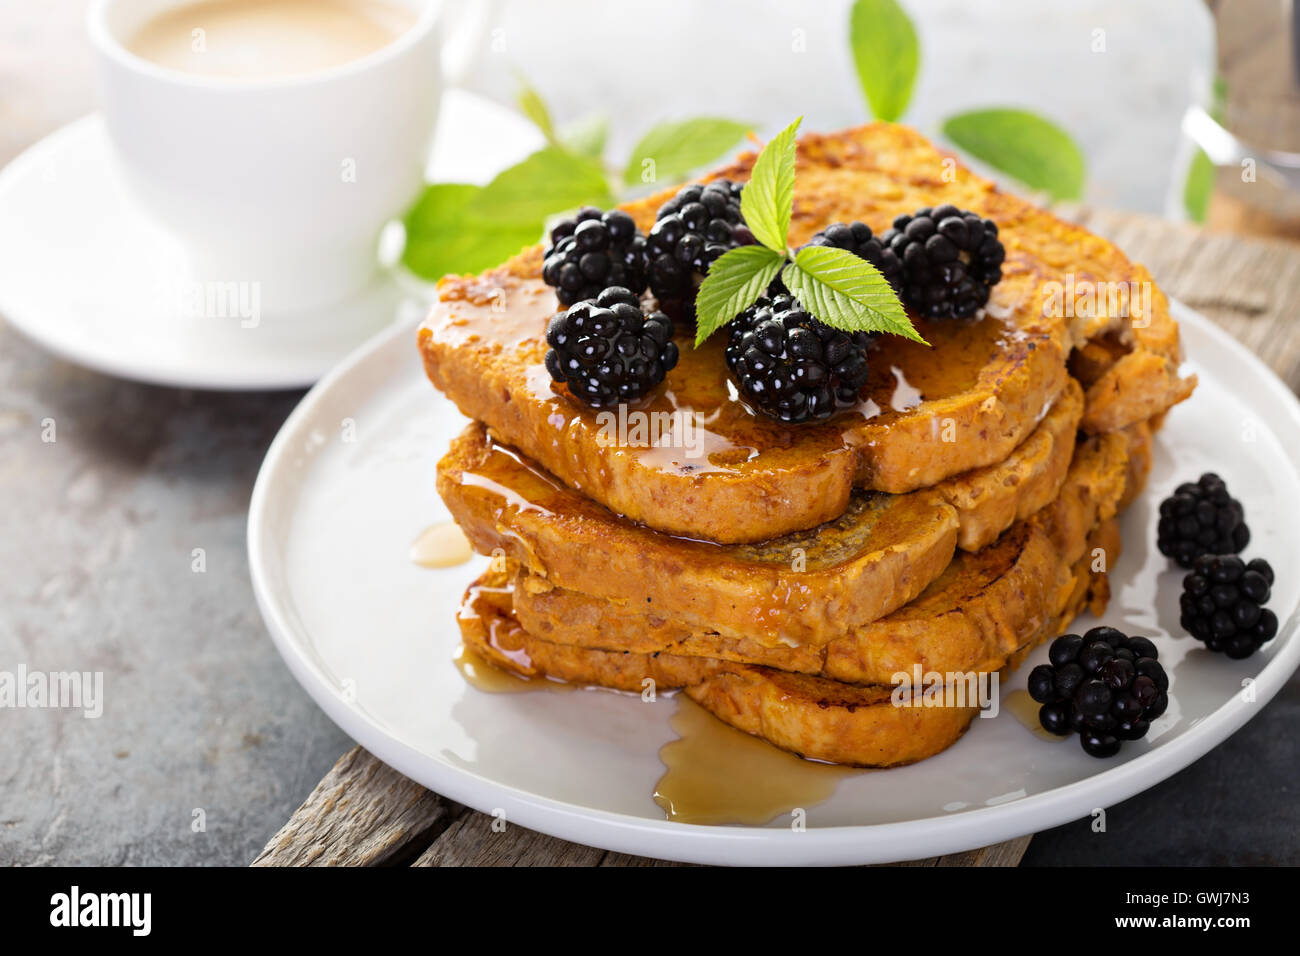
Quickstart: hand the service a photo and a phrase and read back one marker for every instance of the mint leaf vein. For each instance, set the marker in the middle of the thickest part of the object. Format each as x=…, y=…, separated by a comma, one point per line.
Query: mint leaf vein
x=734, y=283
x=846, y=292
x=768, y=198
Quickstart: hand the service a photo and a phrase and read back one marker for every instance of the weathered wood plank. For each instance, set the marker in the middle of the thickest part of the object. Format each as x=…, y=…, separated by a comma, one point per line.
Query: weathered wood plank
x=472, y=841
x=623, y=859
x=363, y=813
x=998, y=854
x=1248, y=286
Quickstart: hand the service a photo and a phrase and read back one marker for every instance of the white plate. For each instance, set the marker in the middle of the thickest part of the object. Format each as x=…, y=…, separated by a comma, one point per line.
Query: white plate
x=87, y=275
x=372, y=638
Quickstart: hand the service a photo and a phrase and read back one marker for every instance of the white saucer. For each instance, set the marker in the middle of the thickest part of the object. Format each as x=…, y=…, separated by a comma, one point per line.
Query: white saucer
x=372, y=638
x=86, y=275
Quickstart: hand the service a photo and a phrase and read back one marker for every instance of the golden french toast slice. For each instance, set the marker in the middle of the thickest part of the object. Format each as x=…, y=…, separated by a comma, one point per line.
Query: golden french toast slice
x=804, y=588
x=810, y=715
x=727, y=475
x=975, y=612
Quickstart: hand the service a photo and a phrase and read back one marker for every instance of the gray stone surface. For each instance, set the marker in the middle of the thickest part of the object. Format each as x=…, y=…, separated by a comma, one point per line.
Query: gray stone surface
x=97, y=535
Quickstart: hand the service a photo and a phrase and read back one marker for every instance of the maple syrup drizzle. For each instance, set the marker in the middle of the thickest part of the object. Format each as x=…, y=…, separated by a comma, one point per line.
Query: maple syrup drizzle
x=441, y=545
x=510, y=314
x=1025, y=709
x=481, y=674
x=906, y=395
x=726, y=434
x=717, y=774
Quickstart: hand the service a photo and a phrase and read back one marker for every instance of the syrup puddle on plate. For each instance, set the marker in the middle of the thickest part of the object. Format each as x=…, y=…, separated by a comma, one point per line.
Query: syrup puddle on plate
x=482, y=674
x=717, y=774
x=441, y=545
x=1025, y=709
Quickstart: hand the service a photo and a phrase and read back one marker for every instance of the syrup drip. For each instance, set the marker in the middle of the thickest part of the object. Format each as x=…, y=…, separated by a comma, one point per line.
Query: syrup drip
x=906, y=395
x=717, y=774
x=441, y=545
x=1025, y=709
x=724, y=433
x=482, y=674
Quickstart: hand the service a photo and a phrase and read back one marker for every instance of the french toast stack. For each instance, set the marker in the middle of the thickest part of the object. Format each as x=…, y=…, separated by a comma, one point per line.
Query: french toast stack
x=783, y=575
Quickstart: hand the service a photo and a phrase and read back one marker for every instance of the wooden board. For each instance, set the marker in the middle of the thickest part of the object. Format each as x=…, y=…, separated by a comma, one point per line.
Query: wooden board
x=364, y=813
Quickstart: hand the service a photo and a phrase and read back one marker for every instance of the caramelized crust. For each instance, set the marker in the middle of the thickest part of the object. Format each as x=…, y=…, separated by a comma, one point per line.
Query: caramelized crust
x=802, y=588
x=812, y=716
x=976, y=613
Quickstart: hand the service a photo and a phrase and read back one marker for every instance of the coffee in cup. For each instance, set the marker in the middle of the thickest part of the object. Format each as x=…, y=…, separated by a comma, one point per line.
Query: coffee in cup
x=245, y=39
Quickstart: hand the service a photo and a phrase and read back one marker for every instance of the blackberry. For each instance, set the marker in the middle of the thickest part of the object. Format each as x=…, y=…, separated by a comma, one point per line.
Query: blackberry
x=1201, y=518
x=1105, y=686
x=791, y=366
x=692, y=230
x=594, y=251
x=608, y=350
x=1223, y=604
x=857, y=238
x=950, y=259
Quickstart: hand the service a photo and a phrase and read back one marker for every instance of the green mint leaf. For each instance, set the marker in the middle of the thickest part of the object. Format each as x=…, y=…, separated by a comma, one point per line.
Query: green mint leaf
x=1023, y=145
x=532, y=105
x=735, y=281
x=886, y=54
x=670, y=151
x=586, y=136
x=1198, y=187
x=551, y=180
x=768, y=198
x=442, y=238
x=846, y=292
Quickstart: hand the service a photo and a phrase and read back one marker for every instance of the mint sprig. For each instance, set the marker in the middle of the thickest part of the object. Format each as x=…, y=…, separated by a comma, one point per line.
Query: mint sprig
x=1023, y=145
x=551, y=178
x=458, y=228
x=738, y=279
x=886, y=55
x=767, y=201
x=832, y=285
x=678, y=148
x=835, y=286
x=532, y=105
x=443, y=234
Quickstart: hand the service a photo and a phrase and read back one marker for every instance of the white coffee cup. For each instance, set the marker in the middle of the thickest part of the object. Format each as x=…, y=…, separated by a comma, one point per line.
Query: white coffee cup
x=284, y=182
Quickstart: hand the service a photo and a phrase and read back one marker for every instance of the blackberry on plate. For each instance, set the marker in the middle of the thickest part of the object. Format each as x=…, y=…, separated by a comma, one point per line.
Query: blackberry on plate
x=608, y=350
x=1105, y=686
x=1223, y=604
x=1199, y=518
x=594, y=251
x=950, y=259
x=791, y=366
x=857, y=238
x=692, y=230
